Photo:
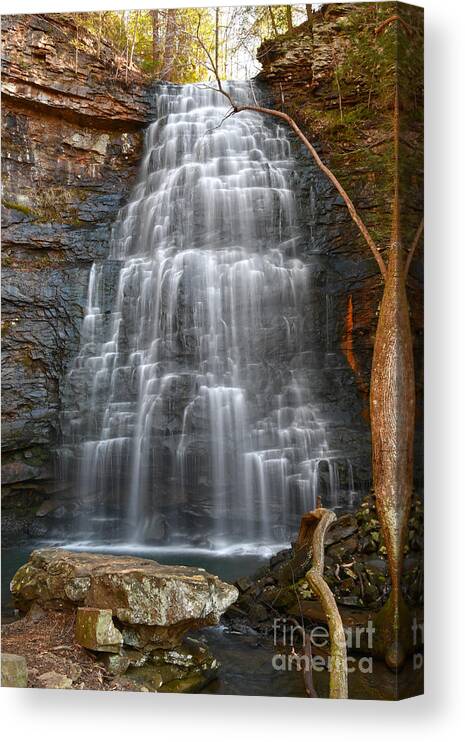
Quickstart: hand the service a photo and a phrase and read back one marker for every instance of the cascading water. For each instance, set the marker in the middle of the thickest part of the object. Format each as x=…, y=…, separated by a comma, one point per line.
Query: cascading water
x=189, y=411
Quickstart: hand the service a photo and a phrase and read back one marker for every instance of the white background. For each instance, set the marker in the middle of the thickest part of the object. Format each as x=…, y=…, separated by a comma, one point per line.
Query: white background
x=56, y=715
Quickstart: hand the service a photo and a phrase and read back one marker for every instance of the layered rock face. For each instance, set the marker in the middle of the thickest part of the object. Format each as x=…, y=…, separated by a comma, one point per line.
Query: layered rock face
x=72, y=135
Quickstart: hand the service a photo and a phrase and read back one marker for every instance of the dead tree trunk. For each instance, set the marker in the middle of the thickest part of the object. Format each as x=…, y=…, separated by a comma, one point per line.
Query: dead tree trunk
x=338, y=687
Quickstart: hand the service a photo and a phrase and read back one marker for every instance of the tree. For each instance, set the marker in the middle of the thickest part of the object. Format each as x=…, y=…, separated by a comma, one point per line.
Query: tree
x=217, y=37
x=170, y=38
x=289, y=18
x=133, y=43
x=392, y=385
x=273, y=21
x=155, y=38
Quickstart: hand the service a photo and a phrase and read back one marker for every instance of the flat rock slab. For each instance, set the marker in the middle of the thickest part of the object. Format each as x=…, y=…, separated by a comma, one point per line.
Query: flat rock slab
x=139, y=592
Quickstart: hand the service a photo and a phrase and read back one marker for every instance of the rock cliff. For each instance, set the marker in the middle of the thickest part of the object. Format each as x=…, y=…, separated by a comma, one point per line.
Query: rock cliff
x=72, y=136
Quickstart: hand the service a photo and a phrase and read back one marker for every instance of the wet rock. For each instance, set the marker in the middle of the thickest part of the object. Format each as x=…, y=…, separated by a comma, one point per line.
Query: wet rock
x=280, y=557
x=269, y=594
x=14, y=671
x=142, y=637
x=343, y=550
x=95, y=630
x=343, y=527
x=258, y=613
x=293, y=569
x=47, y=507
x=244, y=583
x=185, y=669
x=192, y=653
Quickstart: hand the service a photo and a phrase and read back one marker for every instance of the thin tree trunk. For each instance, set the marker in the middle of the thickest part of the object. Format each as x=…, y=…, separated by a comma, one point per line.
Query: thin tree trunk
x=99, y=34
x=76, y=56
x=217, y=37
x=126, y=50
x=170, y=37
x=155, y=39
x=273, y=21
x=133, y=40
x=225, y=53
x=309, y=10
x=339, y=94
x=289, y=18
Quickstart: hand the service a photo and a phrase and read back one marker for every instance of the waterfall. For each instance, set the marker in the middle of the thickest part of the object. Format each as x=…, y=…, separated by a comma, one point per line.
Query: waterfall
x=189, y=413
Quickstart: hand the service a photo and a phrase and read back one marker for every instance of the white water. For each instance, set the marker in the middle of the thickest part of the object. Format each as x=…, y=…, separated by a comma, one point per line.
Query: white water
x=191, y=415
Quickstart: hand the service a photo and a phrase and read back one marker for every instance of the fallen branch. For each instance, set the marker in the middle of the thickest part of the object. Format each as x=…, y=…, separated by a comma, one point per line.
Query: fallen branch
x=338, y=687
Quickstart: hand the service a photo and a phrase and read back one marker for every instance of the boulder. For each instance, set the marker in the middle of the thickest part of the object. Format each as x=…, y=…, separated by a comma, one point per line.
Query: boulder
x=14, y=671
x=185, y=669
x=342, y=528
x=95, y=630
x=152, y=603
x=116, y=664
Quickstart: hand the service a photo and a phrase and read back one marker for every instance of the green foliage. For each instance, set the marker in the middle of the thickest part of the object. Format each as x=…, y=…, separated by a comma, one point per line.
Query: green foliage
x=370, y=58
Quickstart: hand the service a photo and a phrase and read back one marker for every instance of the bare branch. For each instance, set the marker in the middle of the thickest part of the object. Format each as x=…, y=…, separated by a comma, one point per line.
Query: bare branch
x=413, y=247
x=338, y=687
x=389, y=21
x=231, y=112
x=329, y=174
